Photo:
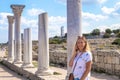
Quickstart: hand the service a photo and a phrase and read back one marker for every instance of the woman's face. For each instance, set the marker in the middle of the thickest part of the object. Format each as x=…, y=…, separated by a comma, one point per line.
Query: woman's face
x=80, y=44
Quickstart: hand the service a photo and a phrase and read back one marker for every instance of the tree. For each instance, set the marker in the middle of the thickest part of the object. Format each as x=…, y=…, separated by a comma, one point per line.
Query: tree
x=95, y=32
x=65, y=35
x=106, y=35
x=116, y=31
x=118, y=35
x=108, y=31
x=116, y=41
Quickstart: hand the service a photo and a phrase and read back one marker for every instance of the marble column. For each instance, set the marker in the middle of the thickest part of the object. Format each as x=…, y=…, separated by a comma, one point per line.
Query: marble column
x=27, y=55
x=43, y=46
x=17, y=10
x=74, y=27
x=10, y=38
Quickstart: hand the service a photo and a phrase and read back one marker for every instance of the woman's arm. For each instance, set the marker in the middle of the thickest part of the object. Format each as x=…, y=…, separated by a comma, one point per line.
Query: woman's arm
x=74, y=53
x=72, y=59
x=88, y=69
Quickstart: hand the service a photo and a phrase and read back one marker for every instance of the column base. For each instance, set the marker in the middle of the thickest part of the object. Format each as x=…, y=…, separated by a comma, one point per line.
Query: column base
x=27, y=66
x=17, y=62
x=10, y=60
x=44, y=72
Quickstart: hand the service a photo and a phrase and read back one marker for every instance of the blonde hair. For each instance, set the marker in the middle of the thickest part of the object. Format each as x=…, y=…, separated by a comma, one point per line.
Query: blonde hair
x=76, y=49
x=86, y=48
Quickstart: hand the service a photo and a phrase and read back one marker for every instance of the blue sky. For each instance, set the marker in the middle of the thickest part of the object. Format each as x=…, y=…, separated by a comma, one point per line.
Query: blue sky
x=99, y=14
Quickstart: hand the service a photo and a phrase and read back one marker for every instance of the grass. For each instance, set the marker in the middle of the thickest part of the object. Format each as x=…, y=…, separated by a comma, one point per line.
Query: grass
x=35, y=63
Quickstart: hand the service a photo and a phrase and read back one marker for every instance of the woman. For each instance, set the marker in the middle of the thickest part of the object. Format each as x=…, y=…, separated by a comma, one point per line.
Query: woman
x=81, y=60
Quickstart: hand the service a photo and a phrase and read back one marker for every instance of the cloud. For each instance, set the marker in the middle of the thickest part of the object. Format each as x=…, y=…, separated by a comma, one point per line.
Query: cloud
x=57, y=20
x=101, y=1
x=86, y=2
x=55, y=23
x=35, y=12
x=4, y=20
x=117, y=8
x=61, y=1
x=90, y=16
x=107, y=10
x=112, y=12
x=89, y=1
x=112, y=27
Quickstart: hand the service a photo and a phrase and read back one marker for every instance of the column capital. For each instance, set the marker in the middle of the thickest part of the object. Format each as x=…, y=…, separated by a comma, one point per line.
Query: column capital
x=10, y=19
x=17, y=9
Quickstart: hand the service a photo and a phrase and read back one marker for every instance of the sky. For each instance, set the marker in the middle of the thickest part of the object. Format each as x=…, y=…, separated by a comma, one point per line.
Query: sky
x=96, y=14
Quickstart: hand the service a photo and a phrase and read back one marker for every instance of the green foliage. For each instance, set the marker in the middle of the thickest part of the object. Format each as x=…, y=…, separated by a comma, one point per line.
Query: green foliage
x=57, y=41
x=106, y=35
x=56, y=73
x=65, y=35
x=95, y=32
x=116, y=31
x=86, y=34
x=118, y=35
x=35, y=63
x=116, y=41
x=108, y=31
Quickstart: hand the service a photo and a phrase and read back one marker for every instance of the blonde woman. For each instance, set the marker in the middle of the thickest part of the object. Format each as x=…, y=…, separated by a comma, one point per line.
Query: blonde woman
x=81, y=60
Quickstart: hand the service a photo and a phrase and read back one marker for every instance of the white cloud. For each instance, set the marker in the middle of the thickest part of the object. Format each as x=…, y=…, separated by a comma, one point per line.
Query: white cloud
x=112, y=27
x=35, y=12
x=57, y=20
x=117, y=5
x=55, y=24
x=61, y=1
x=102, y=1
x=107, y=10
x=89, y=1
x=29, y=22
x=4, y=20
x=94, y=16
x=114, y=11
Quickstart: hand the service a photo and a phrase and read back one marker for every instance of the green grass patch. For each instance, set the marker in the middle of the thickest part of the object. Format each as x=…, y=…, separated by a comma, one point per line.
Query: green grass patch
x=35, y=63
x=56, y=73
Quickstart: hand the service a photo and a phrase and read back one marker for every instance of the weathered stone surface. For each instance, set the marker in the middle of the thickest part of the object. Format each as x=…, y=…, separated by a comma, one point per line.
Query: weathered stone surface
x=10, y=38
x=17, y=10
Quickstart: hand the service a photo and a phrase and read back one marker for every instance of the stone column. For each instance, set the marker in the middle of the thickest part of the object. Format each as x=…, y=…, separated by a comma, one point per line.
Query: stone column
x=17, y=10
x=10, y=38
x=73, y=26
x=27, y=55
x=43, y=55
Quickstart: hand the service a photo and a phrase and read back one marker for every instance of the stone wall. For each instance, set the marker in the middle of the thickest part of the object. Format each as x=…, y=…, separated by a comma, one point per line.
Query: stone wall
x=107, y=61
x=102, y=43
x=58, y=57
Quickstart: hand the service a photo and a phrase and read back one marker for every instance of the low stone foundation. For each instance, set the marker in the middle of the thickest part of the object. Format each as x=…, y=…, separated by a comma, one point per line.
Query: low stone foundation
x=107, y=61
x=23, y=72
x=59, y=57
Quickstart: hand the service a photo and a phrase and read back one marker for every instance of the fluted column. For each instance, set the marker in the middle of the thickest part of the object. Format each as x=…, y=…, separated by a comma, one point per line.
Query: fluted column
x=43, y=50
x=27, y=55
x=17, y=10
x=74, y=27
x=10, y=38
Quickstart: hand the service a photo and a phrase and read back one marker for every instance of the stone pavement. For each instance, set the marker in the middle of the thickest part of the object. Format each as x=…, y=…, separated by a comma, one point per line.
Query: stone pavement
x=6, y=74
x=94, y=75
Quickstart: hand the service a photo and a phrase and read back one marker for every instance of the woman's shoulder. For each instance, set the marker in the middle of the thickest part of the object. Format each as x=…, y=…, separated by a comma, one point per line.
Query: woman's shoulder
x=87, y=53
